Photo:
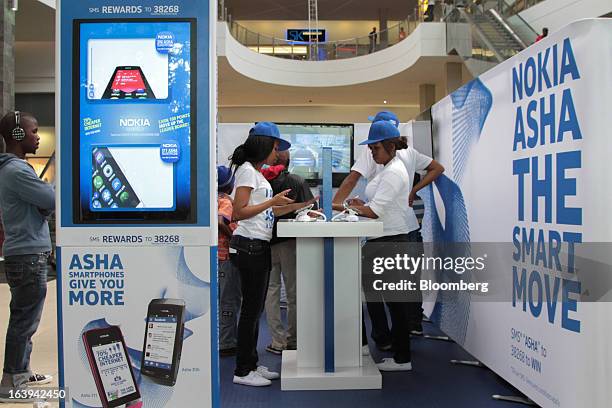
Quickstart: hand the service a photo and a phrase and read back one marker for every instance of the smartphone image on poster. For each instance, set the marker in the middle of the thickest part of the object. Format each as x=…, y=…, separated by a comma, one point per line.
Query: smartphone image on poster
x=128, y=82
x=111, y=367
x=110, y=187
x=163, y=340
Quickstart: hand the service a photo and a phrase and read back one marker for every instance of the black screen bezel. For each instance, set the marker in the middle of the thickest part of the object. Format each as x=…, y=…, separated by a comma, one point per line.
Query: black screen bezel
x=128, y=68
x=155, y=307
x=93, y=339
x=337, y=177
x=85, y=215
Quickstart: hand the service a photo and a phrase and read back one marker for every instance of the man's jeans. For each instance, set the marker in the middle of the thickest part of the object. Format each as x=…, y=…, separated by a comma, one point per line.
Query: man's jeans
x=230, y=297
x=27, y=278
x=283, y=262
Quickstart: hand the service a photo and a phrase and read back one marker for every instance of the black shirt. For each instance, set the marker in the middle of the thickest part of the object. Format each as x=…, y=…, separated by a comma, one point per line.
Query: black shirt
x=300, y=192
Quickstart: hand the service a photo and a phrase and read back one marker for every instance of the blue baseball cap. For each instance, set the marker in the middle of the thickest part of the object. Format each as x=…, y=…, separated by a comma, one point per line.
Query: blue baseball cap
x=380, y=131
x=269, y=129
x=385, y=116
x=225, y=178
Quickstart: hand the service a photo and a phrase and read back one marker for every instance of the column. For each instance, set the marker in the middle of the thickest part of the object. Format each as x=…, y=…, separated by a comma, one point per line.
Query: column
x=7, y=57
x=453, y=76
x=7, y=61
x=427, y=97
x=383, y=36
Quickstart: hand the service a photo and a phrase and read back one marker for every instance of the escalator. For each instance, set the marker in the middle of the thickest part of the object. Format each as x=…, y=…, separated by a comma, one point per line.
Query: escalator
x=494, y=37
x=493, y=31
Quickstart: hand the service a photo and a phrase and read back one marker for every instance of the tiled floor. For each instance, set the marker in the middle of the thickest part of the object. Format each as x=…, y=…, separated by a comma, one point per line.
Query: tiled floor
x=44, y=354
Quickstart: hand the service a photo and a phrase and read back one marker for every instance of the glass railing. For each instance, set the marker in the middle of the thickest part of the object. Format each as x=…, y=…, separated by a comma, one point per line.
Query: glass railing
x=322, y=51
x=511, y=7
x=482, y=49
x=521, y=27
x=494, y=36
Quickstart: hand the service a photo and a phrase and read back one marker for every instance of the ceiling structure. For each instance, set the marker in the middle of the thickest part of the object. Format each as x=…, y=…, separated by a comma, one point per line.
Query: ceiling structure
x=236, y=91
x=328, y=9
x=399, y=90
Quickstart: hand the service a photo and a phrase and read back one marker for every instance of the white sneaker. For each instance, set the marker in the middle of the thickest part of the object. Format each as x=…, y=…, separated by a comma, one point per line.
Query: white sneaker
x=388, y=364
x=267, y=374
x=365, y=350
x=253, y=379
x=39, y=379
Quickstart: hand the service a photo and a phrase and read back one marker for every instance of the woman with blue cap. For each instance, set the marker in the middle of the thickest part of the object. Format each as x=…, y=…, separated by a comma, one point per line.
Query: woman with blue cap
x=254, y=208
x=386, y=201
x=365, y=166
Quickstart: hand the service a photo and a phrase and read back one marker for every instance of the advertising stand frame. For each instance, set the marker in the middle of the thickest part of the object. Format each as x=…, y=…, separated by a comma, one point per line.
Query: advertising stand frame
x=108, y=272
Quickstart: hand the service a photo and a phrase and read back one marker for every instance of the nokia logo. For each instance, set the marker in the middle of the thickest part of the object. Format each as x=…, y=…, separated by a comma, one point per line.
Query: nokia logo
x=134, y=122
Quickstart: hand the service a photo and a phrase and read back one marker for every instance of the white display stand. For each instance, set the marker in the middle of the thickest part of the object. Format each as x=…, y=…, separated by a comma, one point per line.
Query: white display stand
x=304, y=368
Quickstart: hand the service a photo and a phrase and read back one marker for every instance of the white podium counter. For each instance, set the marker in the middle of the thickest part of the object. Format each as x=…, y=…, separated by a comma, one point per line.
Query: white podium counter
x=328, y=355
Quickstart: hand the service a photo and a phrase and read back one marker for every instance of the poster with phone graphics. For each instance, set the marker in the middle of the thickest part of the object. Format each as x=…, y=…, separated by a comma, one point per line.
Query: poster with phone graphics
x=159, y=342
x=114, y=370
x=135, y=128
x=104, y=288
x=136, y=131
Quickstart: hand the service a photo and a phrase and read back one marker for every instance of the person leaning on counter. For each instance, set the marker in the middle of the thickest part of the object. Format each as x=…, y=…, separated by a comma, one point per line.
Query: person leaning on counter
x=390, y=166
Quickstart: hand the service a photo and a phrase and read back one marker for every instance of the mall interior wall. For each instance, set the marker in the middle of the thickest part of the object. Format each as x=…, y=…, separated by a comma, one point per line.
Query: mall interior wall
x=35, y=67
x=308, y=114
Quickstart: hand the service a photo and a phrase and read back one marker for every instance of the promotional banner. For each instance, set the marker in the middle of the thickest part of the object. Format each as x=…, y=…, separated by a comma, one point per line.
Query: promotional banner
x=136, y=119
x=136, y=227
x=526, y=152
x=136, y=326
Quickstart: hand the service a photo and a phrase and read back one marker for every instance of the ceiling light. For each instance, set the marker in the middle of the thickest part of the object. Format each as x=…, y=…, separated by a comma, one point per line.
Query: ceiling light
x=14, y=5
x=385, y=101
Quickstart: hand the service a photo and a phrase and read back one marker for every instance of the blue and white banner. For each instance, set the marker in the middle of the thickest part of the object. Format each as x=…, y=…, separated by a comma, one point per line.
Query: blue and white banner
x=104, y=287
x=526, y=151
x=137, y=118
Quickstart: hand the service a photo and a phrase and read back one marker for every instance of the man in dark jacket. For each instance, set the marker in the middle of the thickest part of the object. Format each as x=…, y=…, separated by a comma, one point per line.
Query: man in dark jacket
x=25, y=203
x=283, y=260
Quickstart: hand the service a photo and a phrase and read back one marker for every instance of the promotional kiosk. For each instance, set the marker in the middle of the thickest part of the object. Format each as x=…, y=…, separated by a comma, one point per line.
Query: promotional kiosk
x=136, y=219
x=328, y=262
x=328, y=355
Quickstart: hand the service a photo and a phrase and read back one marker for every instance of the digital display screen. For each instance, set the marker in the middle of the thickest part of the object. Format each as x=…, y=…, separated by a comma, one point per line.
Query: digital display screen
x=128, y=80
x=128, y=83
x=133, y=131
x=306, y=143
x=114, y=369
x=118, y=182
x=159, y=344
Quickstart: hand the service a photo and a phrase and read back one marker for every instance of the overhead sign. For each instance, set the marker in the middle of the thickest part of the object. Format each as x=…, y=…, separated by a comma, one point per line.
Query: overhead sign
x=306, y=35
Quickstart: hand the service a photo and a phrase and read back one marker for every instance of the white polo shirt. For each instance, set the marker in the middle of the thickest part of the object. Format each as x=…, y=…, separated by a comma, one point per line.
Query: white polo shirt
x=413, y=162
x=387, y=193
x=259, y=226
